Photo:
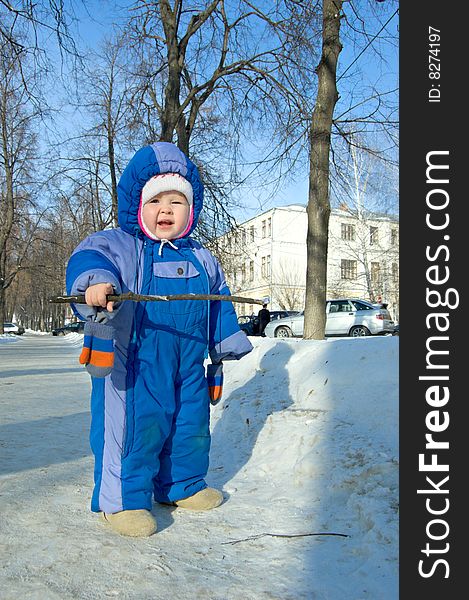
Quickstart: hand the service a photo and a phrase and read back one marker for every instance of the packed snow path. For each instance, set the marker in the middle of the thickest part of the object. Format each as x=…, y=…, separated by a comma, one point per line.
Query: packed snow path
x=305, y=441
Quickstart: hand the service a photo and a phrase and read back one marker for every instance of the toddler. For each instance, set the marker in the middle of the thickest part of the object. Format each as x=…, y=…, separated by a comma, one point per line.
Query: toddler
x=150, y=399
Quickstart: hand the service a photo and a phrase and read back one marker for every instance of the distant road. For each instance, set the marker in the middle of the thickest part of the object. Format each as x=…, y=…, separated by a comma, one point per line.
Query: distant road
x=44, y=403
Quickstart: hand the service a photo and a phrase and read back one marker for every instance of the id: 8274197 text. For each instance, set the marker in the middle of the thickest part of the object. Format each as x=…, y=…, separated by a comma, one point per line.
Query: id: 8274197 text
x=434, y=68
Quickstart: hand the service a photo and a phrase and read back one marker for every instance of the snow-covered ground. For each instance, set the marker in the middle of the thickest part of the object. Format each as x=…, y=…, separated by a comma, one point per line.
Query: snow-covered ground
x=305, y=448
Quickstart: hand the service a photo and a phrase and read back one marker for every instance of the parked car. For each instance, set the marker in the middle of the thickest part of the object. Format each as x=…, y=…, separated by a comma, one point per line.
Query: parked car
x=344, y=316
x=70, y=328
x=250, y=323
x=13, y=328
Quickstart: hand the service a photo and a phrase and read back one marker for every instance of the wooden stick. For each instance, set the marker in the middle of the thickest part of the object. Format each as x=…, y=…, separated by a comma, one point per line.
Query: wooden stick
x=285, y=535
x=142, y=298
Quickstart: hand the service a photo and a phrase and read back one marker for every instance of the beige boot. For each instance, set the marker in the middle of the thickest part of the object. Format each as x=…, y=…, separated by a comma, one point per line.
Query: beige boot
x=134, y=523
x=204, y=500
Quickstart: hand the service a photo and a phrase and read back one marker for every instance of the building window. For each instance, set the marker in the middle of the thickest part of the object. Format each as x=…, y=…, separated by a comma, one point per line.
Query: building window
x=265, y=266
x=251, y=232
x=373, y=235
x=375, y=273
x=251, y=270
x=243, y=273
x=348, y=269
x=394, y=237
x=395, y=273
x=244, y=237
x=269, y=227
x=348, y=232
x=263, y=229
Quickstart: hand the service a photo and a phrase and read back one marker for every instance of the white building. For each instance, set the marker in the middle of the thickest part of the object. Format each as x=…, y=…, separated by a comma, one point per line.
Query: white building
x=266, y=257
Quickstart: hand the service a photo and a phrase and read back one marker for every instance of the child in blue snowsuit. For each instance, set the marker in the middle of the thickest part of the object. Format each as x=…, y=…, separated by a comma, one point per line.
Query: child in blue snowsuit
x=150, y=415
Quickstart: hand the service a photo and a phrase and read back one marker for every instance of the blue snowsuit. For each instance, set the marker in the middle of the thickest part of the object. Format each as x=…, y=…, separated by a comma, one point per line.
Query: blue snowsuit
x=150, y=416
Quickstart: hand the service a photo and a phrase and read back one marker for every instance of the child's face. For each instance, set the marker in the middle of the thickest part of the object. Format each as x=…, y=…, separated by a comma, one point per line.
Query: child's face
x=166, y=215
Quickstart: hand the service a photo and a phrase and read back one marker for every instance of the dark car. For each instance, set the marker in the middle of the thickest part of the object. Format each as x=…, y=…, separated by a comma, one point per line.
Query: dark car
x=250, y=323
x=70, y=328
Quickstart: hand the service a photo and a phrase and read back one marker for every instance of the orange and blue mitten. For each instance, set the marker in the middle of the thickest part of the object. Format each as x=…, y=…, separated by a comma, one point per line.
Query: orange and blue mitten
x=98, y=349
x=215, y=382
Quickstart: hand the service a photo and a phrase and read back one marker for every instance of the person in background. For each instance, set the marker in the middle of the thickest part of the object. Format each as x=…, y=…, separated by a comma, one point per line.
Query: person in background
x=264, y=319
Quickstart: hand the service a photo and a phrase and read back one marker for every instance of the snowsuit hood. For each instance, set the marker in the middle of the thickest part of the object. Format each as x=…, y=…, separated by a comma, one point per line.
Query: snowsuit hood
x=160, y=157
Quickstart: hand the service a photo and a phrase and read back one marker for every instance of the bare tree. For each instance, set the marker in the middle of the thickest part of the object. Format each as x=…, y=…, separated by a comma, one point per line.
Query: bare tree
x=44, y=270
x=25, y=32
x=368, y=113
x=195, y=52
x=105, y=96
x=17, y=143
x=83, y=185
x=212, y=75
x=23, y=22
x=318, y=203
x=26, y=28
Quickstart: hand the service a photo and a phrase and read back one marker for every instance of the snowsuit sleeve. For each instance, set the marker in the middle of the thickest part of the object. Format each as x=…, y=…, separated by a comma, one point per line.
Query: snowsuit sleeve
x=92, y=262
x=226, y=340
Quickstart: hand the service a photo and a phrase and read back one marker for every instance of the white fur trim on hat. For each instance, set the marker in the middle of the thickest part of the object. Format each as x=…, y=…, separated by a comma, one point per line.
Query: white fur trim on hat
x=167, y=182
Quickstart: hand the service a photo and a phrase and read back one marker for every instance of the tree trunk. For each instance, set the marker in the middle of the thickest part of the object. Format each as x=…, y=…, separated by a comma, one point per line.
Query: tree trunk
x=169, y=117
x=318, y=201
x=112, y=168
x=2, y=305
x=8, y=208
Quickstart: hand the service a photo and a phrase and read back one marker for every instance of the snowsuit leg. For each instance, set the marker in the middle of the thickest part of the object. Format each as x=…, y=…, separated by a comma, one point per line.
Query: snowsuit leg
x=185, y=456
x=151, y=403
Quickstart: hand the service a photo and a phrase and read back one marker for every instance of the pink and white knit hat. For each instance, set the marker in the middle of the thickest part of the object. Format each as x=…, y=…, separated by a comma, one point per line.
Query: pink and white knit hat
x=166, y=182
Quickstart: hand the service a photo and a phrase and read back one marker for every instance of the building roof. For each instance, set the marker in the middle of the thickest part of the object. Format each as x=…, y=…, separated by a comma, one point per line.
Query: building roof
x=343, y=211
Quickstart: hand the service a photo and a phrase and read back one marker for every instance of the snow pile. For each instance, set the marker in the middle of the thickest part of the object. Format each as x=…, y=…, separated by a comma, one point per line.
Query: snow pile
x=7, y=338
x=314, y=425
x=76, y=339
x=34, y=332
x=304, y=442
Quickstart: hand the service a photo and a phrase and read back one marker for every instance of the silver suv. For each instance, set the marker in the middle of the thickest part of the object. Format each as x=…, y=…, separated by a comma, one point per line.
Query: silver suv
x=344, y=316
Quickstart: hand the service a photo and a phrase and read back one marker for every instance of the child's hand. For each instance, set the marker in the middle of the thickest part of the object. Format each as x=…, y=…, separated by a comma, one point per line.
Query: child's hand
x=96, y=294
